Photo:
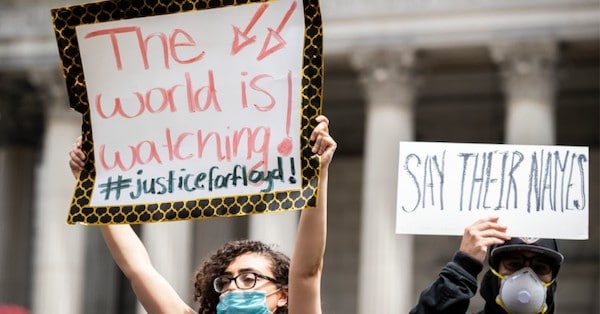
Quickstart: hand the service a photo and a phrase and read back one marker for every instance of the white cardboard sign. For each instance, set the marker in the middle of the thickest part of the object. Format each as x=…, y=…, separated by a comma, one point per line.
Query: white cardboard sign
x=537, y=191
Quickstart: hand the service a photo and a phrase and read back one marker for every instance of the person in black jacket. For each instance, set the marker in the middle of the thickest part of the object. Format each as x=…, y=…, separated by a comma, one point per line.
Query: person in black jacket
x=521, y=277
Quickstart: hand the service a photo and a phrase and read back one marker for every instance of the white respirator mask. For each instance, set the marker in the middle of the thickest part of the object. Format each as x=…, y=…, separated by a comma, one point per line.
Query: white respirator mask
x=522, y=292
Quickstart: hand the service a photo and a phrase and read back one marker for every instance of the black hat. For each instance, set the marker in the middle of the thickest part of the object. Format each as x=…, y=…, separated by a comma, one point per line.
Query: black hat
x=547, y=247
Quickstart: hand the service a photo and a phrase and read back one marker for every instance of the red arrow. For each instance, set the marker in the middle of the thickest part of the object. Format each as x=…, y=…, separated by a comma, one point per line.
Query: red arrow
x=269, y=48
x=237, y=33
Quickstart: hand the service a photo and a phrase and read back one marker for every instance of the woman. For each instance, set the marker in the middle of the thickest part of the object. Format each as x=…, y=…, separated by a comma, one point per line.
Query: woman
x=243, y=276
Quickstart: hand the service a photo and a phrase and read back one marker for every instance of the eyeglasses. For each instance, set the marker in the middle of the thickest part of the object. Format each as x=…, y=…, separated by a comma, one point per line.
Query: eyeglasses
x=243, y=281
x=539, y=264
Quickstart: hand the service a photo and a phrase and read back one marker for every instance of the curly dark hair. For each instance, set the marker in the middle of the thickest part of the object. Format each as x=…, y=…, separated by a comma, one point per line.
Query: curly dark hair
x=216, y=264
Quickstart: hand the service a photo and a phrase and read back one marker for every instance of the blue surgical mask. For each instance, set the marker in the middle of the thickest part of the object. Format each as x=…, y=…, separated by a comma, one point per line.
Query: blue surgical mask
x=243, y=302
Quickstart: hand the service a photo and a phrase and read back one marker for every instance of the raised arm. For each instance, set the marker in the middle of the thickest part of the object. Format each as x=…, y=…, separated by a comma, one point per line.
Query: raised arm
x=307, y=260
x=154, y=293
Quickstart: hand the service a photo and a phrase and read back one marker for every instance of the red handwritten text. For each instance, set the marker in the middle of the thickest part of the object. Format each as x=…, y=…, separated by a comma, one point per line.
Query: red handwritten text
x=160, y=99
x=244, y=143
x=169, y=44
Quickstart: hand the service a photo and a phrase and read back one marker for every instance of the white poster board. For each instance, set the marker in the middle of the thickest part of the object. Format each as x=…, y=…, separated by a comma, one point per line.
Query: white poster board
x=195, y=105
x=537, y=191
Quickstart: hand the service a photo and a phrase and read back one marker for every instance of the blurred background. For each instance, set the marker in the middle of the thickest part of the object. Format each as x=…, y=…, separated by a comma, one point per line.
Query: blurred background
x=477, y=71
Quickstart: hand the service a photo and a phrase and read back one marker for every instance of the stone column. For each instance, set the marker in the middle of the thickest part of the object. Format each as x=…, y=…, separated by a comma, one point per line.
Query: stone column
x=16, y=165
x=275, y=228
x=211, y=234
x=386, y=266
x=169, y=245
x=21, y=122
x=529, y=84
x=101, y=284
x=58, y=265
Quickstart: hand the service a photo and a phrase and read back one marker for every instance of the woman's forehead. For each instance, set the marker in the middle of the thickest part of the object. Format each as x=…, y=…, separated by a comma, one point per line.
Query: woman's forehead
x=250, y=262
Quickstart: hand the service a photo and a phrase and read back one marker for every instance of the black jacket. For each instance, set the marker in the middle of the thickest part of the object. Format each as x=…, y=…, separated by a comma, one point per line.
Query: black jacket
x=456, y=284
x=452, y=291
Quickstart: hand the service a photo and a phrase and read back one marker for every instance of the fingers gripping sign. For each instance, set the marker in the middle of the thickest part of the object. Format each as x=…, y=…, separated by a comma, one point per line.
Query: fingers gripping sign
x=482, y=234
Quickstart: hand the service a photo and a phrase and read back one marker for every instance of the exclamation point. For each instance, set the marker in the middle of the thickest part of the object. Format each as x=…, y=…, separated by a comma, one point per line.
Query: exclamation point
x=292, y=178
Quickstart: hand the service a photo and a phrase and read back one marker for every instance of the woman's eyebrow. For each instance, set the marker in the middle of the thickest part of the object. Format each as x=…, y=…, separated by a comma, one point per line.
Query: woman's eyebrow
x=248, y=270
x=243, y=270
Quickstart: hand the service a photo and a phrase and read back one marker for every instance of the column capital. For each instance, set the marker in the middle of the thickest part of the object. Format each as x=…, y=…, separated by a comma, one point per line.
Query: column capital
x=21, y=110
x=387, y=75
x=518, y=53
x=528, y=77
x=527, y=68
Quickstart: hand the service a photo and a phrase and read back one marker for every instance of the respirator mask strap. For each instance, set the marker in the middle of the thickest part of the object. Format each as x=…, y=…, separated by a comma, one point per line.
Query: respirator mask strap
x=498, y=299
x=497, y=274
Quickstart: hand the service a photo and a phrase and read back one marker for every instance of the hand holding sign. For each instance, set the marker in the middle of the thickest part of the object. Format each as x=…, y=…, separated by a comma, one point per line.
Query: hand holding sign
x=482, y=234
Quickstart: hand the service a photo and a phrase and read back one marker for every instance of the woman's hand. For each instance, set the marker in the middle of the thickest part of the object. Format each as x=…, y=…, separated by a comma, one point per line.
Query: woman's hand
x=77, y=158
x=323, y=143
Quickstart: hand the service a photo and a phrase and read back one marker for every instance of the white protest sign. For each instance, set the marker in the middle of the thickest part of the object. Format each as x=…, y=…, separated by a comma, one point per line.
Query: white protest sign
x=537, y=191
x=195, y=105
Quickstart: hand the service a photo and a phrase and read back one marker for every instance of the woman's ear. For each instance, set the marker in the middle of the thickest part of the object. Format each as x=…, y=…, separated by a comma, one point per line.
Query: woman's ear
x=283, y=297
